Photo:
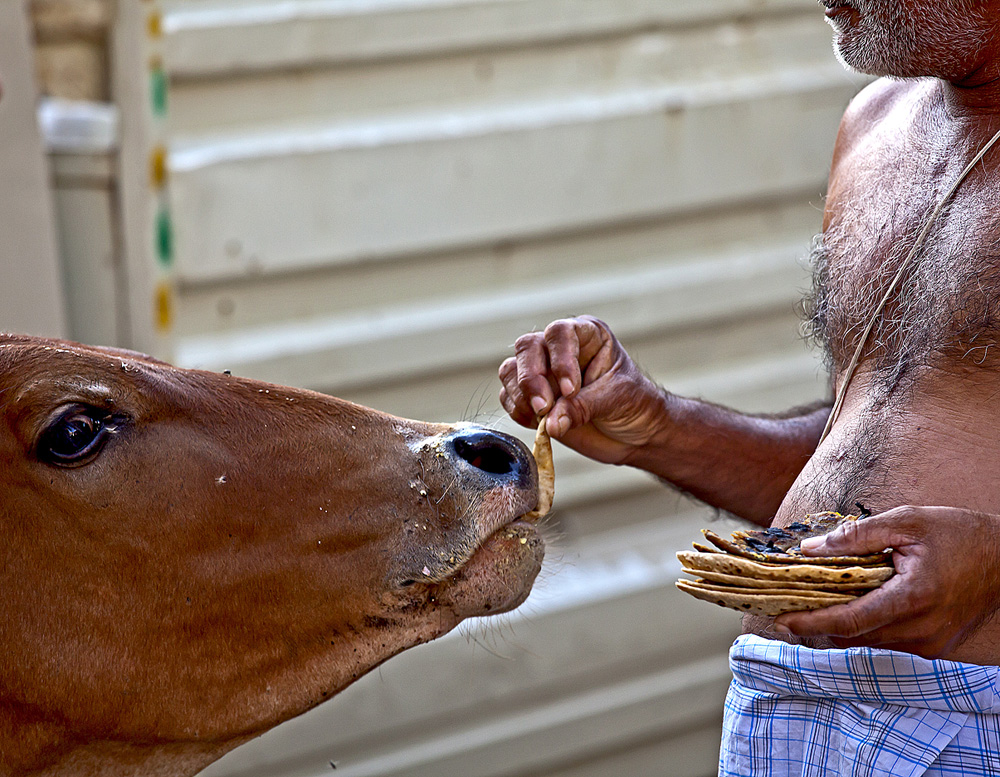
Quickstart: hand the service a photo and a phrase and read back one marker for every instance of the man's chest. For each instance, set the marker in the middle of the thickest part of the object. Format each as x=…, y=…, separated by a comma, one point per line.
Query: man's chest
x=947, y=303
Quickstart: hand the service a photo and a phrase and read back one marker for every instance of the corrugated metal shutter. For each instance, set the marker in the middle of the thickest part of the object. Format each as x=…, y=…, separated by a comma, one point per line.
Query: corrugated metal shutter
x=375, y=197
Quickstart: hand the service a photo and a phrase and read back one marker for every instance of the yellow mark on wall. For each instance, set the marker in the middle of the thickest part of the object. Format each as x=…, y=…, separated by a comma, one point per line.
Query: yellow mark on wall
x=154, y=25
x=164, y=307
x=158, y=167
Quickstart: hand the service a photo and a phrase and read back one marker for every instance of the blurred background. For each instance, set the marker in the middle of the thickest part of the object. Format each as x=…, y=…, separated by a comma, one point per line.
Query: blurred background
x=374, y=198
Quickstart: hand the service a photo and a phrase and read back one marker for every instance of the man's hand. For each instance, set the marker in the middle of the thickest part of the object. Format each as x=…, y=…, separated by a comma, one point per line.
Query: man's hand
x=947, y=581
x=597, y=400
x=600, y=403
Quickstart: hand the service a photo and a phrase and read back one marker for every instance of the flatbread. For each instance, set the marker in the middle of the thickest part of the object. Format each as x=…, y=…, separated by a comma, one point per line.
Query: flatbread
x=765, y=585
x=801, y=572
x=542, y=451
x=792, y=592
x=737, y=549
x=765, y=604
x=786, y=539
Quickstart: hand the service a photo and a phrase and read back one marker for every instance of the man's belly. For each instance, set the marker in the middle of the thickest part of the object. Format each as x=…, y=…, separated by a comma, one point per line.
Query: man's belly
x=939, y=446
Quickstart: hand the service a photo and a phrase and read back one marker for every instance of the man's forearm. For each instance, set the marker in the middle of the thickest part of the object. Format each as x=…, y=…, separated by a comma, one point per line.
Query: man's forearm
x=738, y=463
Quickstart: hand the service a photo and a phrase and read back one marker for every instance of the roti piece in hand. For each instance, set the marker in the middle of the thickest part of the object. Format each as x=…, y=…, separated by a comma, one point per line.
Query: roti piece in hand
x=542, y=451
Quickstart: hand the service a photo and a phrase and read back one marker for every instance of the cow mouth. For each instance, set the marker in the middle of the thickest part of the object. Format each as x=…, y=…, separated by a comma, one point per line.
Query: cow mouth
x=499, y=574
x=511, y=557
x=493, y=569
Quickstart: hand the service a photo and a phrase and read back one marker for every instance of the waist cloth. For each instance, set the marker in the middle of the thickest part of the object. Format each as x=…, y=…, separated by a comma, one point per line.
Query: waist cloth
x=793, y=710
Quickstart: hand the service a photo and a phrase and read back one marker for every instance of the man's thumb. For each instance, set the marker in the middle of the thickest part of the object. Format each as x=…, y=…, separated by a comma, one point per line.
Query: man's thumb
x=855, y=538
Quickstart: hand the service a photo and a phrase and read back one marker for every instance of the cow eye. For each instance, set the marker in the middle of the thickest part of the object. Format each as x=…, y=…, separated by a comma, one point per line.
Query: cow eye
x=75, y=437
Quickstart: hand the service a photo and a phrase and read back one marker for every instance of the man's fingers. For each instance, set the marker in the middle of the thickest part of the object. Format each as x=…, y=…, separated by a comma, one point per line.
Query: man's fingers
x=857, y=538
x=910, y=637
x=923, y=636
x=854, y=619
x=529, y=387
x=563, y=344
x=550, y=365
x=525, y=418
x=532, y=372
x=574, y=345
x=508, y=378
x=592, y=395
x=939, y=595
x=897, y=611
x=511, y=398
x=895, y=528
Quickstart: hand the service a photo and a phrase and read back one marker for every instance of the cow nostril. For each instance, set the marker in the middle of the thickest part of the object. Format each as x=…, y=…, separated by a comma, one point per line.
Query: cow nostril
x=488, y=452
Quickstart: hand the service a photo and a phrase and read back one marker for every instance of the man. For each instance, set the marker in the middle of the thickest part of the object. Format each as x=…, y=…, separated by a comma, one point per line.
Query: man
x=916, y=439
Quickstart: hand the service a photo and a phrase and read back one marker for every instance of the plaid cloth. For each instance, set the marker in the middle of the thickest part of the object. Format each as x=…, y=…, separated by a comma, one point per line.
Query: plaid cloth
x=792, y=710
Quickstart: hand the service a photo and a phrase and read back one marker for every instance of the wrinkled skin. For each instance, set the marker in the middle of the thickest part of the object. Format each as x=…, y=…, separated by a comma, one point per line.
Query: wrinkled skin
x=918, y=428
x=230, y=554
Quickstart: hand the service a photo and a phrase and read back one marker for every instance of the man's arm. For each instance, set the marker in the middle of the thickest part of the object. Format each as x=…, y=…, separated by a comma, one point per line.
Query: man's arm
x=599, y=402
x=738, y=463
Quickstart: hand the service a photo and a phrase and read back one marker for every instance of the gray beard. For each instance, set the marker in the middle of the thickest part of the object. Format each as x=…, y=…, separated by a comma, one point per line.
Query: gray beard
x=892, y=43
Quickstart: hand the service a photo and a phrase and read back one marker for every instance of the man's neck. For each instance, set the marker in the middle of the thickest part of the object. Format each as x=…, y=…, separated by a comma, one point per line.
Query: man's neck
x=974, y=96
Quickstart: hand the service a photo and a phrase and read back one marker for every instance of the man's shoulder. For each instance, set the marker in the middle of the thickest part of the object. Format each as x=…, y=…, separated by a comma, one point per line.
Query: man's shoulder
x=882, y=104
x=881, y=97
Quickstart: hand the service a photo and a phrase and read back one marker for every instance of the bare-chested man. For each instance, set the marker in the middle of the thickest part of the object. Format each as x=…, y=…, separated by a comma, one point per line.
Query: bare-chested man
x=918, y=438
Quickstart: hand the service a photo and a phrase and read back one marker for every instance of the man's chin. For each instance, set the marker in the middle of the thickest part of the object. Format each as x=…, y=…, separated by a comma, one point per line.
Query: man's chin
x=856, y=47
x=863, y=58
x=857, y=64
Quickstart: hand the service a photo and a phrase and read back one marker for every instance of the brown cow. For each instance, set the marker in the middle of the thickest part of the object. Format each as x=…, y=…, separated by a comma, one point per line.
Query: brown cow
x=191, y=558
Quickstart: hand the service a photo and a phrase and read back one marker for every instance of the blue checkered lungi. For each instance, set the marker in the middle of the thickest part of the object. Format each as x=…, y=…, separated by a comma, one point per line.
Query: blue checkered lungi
x=859, y=712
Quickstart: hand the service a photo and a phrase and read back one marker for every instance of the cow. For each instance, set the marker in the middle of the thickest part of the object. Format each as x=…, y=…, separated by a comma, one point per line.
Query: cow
x=190, y=558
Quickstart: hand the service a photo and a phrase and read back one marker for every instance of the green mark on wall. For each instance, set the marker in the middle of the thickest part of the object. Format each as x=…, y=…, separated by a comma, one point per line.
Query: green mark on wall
x=164, y=238
x=158, y=90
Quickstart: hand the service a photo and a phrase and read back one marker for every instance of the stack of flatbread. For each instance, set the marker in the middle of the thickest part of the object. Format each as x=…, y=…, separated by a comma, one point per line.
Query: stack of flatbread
x=765, y=573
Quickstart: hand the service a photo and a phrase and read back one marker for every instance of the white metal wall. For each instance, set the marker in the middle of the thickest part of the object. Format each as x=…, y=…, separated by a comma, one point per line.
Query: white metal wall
x=375, y=197
x=31, y=298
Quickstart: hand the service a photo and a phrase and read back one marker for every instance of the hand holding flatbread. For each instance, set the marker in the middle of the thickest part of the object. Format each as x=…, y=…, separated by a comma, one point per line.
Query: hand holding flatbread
x=765, y=573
